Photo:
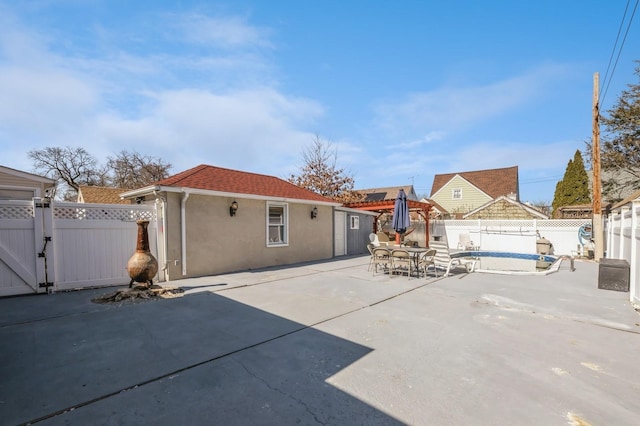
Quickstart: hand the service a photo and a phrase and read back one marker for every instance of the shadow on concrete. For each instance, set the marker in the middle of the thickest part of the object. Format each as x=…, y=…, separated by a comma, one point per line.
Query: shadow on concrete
x=197, y=359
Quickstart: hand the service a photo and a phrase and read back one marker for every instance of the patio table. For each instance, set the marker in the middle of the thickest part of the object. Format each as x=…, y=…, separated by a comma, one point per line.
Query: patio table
x=415, y=252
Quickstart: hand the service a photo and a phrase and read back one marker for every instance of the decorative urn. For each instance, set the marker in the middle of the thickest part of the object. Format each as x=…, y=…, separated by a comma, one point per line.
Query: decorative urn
x=142, y=266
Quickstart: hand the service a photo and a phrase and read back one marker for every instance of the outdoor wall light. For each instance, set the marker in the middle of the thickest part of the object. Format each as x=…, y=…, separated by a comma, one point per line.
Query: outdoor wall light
x=233, y=208
x=314, y=213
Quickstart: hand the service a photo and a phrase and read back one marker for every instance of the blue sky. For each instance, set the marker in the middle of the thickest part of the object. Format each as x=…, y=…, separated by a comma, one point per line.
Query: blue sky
x=402, y=90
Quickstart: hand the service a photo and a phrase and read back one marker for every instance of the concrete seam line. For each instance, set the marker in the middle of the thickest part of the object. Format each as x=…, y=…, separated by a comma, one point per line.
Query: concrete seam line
x=191, y=366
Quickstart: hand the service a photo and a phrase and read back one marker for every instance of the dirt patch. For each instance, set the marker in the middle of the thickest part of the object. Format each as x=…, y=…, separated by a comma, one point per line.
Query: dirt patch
x=139, y=293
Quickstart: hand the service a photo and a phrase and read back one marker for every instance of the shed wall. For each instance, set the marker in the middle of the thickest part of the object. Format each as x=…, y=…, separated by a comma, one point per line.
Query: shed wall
x=357, y=239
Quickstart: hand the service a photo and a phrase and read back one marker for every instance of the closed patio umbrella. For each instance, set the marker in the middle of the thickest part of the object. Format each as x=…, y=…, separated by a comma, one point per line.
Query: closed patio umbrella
x=401, y=220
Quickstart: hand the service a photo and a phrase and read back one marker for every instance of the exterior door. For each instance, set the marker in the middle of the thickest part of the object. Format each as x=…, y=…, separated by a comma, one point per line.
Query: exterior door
x=340, y=234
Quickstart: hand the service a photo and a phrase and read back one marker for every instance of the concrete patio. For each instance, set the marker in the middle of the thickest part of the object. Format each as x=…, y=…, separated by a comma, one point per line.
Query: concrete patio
x=328, y=343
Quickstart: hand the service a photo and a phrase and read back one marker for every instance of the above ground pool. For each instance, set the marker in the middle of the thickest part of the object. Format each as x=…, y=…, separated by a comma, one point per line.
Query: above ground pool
x=500, y=262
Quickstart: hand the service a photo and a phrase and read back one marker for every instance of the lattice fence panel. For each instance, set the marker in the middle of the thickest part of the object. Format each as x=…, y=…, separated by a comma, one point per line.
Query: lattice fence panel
x=16, y=211
x=562, y=223
x=103, y=212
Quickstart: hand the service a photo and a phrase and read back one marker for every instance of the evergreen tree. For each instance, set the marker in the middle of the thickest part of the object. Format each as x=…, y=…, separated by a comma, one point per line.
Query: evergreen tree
x=573, y=189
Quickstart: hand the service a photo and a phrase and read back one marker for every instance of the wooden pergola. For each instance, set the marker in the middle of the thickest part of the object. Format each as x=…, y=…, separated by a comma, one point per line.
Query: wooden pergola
x=387, y=206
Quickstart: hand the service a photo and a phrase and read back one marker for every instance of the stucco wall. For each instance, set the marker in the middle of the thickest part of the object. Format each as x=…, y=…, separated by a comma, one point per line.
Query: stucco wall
x=218, y=243
x=172, y=213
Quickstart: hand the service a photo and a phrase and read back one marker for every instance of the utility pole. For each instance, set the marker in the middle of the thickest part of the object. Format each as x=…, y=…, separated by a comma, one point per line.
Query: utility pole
x=597, y=232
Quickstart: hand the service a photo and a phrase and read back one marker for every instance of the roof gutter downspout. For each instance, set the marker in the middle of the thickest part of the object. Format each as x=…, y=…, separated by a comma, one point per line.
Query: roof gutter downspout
x=183, y=230
x=163, y=208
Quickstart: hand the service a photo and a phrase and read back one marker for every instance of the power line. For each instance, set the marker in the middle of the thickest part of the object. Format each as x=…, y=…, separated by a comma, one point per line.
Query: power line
x=615, y=45
x=620, y=49
x=541, y=179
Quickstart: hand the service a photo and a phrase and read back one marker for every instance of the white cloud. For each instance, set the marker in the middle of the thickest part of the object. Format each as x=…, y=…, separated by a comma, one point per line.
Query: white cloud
x=254, y=130
x=224, y=32
x=451, y=109
x=43, y=102
x=427, y=139
x=115, y=99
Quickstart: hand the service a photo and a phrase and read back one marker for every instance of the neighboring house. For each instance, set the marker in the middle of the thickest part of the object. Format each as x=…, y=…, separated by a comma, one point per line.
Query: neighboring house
x=616, y=185
x=462, y=192
x=505, y=208
x=437, y=211
x=17, y=185
x=214, y=220
x=388, y=193
x=101, y=195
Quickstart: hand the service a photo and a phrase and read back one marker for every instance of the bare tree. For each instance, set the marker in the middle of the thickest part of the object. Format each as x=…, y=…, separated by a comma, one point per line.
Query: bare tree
x=71, y=167
x=542, y=207
x=321, y=175
x=134, y=170
x=620, y=148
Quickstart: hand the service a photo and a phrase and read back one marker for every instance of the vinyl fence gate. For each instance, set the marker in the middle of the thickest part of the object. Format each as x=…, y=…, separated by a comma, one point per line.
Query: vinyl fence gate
x=48, y=246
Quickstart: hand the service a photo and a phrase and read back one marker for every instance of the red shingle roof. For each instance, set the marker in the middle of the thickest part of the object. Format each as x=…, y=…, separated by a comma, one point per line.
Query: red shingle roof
x=234, y=181
x=495, y=182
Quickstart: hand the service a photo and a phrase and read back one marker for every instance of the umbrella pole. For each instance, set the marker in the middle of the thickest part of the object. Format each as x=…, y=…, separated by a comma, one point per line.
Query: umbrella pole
x=397, y=238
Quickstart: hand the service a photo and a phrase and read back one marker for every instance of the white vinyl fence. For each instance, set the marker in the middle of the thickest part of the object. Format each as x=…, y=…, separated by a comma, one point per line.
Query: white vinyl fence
x=623, y=242
x=567, y=236
x=48, y=246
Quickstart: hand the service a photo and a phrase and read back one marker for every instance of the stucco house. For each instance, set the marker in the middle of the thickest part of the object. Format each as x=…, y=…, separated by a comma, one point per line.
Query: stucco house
x=214, y=220
x=462, y=192
x=18, y=185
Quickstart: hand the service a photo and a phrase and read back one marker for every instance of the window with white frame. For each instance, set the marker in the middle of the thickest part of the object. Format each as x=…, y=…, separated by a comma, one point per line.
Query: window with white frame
x=354, y=222
x=277, y=224
x=456, y=194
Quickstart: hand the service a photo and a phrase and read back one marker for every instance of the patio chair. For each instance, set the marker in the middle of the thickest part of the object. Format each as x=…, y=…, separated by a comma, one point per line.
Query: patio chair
x=465, y=243
x=401, y=260
x=384, y=240
x=427, y=259
x=370, y=247
x=443, y=258
x=380, y=256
